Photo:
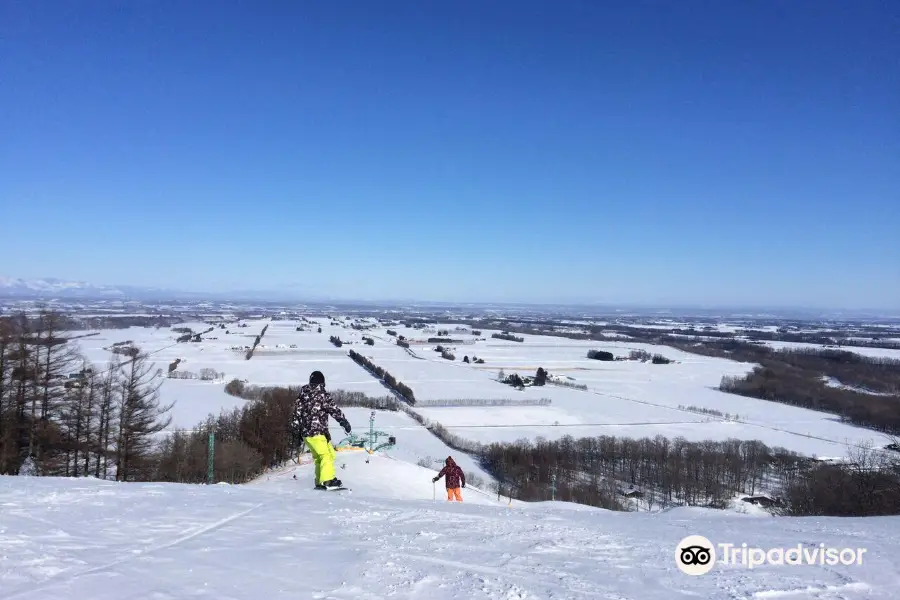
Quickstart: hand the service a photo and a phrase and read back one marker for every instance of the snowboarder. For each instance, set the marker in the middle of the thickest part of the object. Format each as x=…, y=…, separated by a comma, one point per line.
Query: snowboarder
x=455, y=478
x=311, y=411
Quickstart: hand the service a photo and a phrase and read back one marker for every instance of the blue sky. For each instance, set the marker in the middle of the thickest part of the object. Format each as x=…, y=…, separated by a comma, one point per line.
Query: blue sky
x=701, y=153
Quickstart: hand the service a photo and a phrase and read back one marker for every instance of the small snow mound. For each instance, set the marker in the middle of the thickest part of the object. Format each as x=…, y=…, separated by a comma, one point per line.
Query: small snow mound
x=376, y=476
x=28, y=468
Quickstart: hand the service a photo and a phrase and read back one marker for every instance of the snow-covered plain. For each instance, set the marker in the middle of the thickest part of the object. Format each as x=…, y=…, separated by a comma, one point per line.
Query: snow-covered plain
x=395, y=536
x=861, y=350
x=624, y=398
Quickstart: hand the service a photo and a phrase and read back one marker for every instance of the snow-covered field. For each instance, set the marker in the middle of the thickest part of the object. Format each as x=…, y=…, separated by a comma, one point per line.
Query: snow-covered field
x=394, y=536
x=624, y=398
x=861, y=350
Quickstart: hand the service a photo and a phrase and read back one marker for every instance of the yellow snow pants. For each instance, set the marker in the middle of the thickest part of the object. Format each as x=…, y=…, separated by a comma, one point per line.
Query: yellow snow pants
x=323, y=455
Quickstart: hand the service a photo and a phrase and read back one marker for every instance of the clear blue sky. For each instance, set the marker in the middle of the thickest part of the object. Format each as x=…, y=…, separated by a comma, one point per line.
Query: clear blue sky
x=653, y=152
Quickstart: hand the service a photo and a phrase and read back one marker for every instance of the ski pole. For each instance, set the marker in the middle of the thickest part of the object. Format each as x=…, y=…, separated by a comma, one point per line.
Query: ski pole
x=433, y=492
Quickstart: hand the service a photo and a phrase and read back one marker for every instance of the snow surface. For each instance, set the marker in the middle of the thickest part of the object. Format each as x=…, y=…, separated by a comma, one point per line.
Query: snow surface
x=836, y=383
x=861, y=350
x=395, y=536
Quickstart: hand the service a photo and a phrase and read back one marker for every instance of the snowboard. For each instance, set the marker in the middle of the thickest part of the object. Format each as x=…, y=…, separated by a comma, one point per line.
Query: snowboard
x=337, y=489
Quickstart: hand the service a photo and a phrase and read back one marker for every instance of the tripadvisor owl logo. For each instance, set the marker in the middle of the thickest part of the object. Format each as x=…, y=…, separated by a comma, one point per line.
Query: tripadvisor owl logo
x=695, y=555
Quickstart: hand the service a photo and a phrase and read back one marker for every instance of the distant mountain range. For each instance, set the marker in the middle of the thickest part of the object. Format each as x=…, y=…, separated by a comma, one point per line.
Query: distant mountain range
x=50, y=288
x=53, y=288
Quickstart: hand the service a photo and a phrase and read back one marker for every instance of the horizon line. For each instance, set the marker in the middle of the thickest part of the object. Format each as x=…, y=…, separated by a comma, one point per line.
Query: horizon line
x=132, y=292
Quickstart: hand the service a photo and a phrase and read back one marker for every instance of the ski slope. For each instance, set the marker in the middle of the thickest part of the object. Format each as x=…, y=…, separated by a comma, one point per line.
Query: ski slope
x=277, y=538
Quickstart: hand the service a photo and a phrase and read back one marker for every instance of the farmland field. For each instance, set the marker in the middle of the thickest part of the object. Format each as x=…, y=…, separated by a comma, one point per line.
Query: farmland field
x=625, y=398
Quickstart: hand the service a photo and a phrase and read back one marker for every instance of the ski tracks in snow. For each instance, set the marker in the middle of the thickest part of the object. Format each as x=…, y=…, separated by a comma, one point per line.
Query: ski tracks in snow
x=416, y=554
x=69, y=574
x=280, y=541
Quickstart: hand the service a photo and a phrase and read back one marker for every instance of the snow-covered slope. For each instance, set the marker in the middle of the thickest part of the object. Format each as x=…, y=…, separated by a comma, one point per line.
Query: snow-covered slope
x=388, y=538
x=382, y=477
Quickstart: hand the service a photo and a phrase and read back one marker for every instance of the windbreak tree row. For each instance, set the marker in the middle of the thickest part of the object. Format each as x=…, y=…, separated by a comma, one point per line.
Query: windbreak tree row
x=403, y=390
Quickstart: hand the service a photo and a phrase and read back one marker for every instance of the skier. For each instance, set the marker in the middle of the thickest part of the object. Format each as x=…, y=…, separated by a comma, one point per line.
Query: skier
x=454, y=477
x=311, y=411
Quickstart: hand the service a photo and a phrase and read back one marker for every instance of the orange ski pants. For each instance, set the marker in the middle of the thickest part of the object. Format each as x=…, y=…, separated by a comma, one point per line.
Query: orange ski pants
x=454, y=493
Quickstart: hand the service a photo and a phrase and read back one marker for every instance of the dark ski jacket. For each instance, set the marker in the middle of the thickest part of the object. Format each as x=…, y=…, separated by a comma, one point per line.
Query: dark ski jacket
x=454, y=475
x=311, y=411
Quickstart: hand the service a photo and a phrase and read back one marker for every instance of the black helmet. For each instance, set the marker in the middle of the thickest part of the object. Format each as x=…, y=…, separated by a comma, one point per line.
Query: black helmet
x=316, y=378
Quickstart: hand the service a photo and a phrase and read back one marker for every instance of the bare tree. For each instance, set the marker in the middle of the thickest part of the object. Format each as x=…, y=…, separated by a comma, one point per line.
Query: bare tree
x=141, y=415
x=10, y=418
x=90, y=424
x=79, y=420
x=107, y=417
x=53, y=359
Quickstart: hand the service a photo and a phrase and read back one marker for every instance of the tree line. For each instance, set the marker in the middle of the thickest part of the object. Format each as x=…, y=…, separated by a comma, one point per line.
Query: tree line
x=205, y=374
x=708, y=473
x=544, y=326
x=644, y=356
x=483, y=402
x=507, y=336
x=799, y=378
x=867, y=485
x=569, y=384
x=82, y=323
x=247, y=441
x=403, y=390
x=670, y=471
x=256, y=342
x=344, y=398
x=874, y=373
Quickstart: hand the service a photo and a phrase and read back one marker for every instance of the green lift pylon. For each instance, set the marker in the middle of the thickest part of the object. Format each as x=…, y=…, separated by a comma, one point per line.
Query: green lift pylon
x=369, y=442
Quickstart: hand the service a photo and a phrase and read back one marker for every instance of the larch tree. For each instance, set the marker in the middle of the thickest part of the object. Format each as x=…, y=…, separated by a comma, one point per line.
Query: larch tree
x=53, y=358
x=107, y=419
x=141, y=415
x=9, y=418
